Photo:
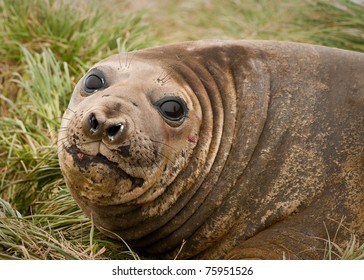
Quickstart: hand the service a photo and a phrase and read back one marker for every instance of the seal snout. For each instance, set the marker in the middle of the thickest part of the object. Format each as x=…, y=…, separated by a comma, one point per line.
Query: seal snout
x=110, y=131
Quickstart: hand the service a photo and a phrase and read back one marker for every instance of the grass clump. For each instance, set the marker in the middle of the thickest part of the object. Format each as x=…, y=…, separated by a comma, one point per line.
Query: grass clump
x=79, y=35
x=29, y=132
x=350, y=249
x=76, y=34
x=47, y=237
x=354, y=250
x=230, y=19
x=22, y=239
x=338, y=23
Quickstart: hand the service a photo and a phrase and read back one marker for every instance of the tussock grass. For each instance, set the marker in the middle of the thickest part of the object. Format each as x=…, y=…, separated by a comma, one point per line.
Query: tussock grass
x=67, y=236
x=338, y=23
x=335, y=23
x=76, y=34
x=22, y=239
x=230, y=19
x=45, y=51
x=350, y=249
x=353, y=250
x=29, y=131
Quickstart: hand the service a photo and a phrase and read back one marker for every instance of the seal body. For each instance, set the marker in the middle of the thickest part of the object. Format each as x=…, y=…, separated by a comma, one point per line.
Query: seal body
x=221, y=149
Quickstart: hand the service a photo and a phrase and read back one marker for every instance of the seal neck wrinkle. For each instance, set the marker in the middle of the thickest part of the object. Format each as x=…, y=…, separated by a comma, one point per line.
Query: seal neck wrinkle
x=252, y=99
x=240, y=129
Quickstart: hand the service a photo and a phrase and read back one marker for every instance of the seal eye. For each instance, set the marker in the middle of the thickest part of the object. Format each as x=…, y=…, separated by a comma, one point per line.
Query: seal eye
x=94, y=81
x=172, y=108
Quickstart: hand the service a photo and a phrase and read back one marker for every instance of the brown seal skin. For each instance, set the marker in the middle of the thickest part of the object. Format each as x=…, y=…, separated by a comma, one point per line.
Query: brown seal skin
x=235, y=149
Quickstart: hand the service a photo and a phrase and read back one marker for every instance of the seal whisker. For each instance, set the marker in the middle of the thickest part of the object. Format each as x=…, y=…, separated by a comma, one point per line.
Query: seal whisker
x=160, y=154
x=62, y=128
x=89, y=142
x=119, y=60
x=125, y=67
x=69, y=109
x=128, y=61
x=151, y=160
x=67, y=119
x=164, y=77
x=60, y=147
x=131, y=59
x=57, y=130
x=142, y=168
x=79, y=144
x=158, y=142
x=61, y=139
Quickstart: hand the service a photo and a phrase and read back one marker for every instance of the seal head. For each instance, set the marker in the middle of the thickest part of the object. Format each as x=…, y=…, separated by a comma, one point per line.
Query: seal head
x=124, y=140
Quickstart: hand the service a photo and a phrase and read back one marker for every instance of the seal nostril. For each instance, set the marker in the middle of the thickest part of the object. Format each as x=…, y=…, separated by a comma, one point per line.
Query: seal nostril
x=113, y=130
x=94, y=124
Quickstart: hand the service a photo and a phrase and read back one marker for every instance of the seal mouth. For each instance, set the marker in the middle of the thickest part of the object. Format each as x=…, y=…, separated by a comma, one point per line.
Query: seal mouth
x=84, y=161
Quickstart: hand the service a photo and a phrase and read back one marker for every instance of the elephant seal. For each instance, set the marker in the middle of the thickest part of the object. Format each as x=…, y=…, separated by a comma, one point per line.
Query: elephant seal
x=235, y=149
